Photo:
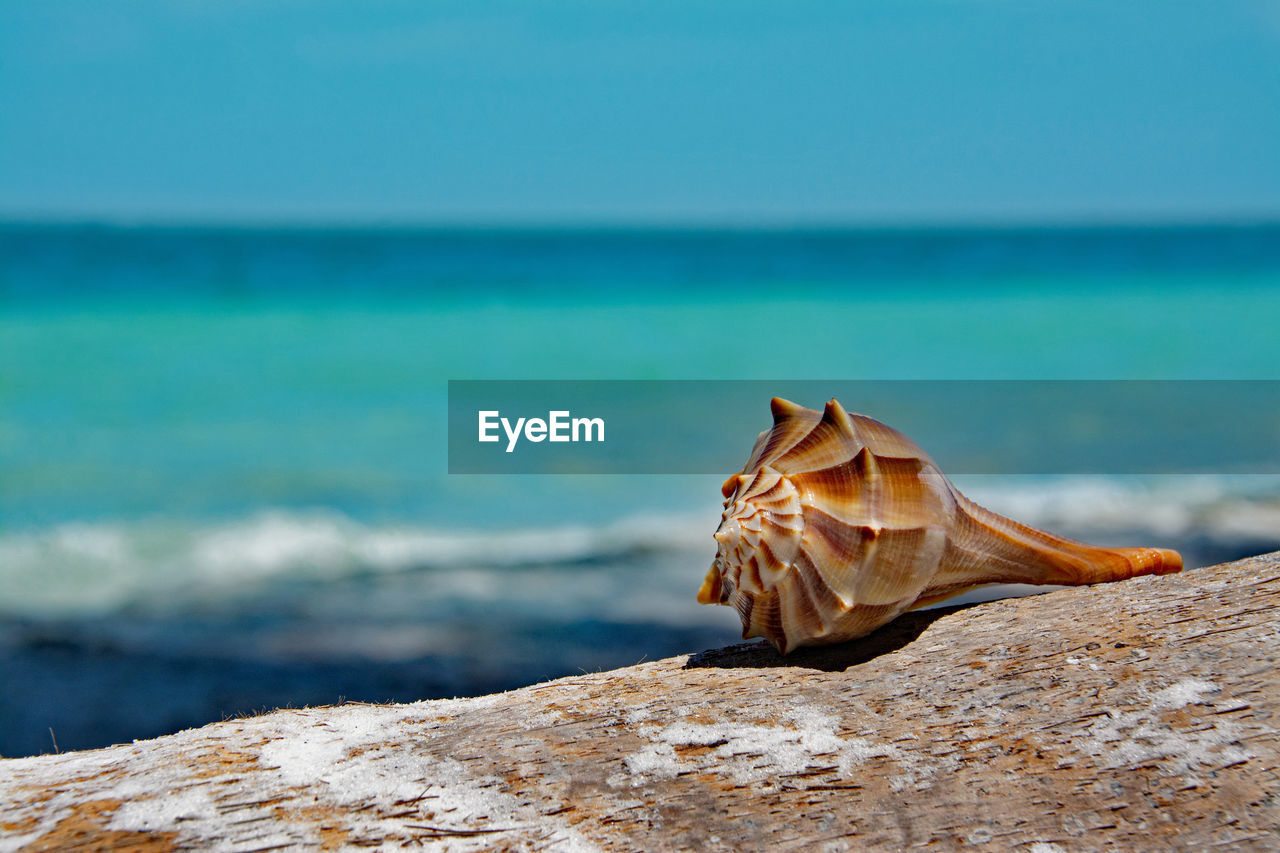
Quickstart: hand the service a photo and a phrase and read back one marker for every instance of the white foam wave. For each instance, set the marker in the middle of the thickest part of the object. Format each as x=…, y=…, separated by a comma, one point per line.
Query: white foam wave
x=1214, y=507
x=99, y=568
x=84, y=568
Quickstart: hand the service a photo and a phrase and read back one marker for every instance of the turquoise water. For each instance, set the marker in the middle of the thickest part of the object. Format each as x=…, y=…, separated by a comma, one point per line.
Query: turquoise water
x=222, y=452
x=210, y=407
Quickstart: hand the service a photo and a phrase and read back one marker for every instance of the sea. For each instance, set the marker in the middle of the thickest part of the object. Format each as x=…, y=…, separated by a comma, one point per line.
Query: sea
x=224, y=482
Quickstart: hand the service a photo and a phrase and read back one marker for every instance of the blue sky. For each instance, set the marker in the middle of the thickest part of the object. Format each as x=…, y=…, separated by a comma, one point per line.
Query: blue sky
x=725, y=112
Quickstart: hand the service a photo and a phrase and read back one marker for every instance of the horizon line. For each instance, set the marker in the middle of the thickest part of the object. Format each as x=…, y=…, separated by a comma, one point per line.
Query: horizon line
x=640, y=223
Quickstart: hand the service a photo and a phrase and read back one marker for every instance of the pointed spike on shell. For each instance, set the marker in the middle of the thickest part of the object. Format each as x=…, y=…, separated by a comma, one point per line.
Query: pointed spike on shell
x=730, y=484
x=737, y=481
x=826, y=441
x=835, y=414
x=865, y=509
x=784, y=410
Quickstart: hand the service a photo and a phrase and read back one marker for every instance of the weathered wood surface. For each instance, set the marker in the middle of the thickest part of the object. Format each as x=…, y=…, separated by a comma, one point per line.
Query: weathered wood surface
x=1139, y=715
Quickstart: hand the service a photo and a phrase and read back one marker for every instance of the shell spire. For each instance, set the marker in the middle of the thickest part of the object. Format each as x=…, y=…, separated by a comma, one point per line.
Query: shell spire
x=837, y=524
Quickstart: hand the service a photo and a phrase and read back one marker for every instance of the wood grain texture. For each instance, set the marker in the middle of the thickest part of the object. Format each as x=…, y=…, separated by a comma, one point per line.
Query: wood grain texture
x=1139, y=715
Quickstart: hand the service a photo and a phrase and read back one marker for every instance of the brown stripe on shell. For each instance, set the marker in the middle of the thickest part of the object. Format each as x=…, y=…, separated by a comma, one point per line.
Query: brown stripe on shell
x=801, y=616
x=864, y=619
x=781, y=498
x=790, y=424
x=824, y=595
x=902, y=566
x=841, y=491
x=772, y=567
x=750, y=521
x=845, y=542
x=824, y=447
x=766, y=618
x=837, y=551
x=908, y=496
x=865, y=464
x=729, y=487
x=745, y=605
x=753, y=577
x=783, y=534
x=765, y=478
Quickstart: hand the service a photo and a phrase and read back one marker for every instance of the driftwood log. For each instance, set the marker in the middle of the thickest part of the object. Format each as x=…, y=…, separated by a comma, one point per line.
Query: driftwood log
x=1140, y=715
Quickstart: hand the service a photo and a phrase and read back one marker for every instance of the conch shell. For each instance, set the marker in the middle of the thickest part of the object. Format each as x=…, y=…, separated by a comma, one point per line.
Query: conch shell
x=837, y=524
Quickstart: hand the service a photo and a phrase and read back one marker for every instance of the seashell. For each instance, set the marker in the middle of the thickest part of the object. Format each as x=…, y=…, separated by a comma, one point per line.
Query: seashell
x=837, y=524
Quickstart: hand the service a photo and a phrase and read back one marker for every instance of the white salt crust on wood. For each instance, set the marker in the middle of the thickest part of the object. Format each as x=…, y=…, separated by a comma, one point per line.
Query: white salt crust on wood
x=1139, y=715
